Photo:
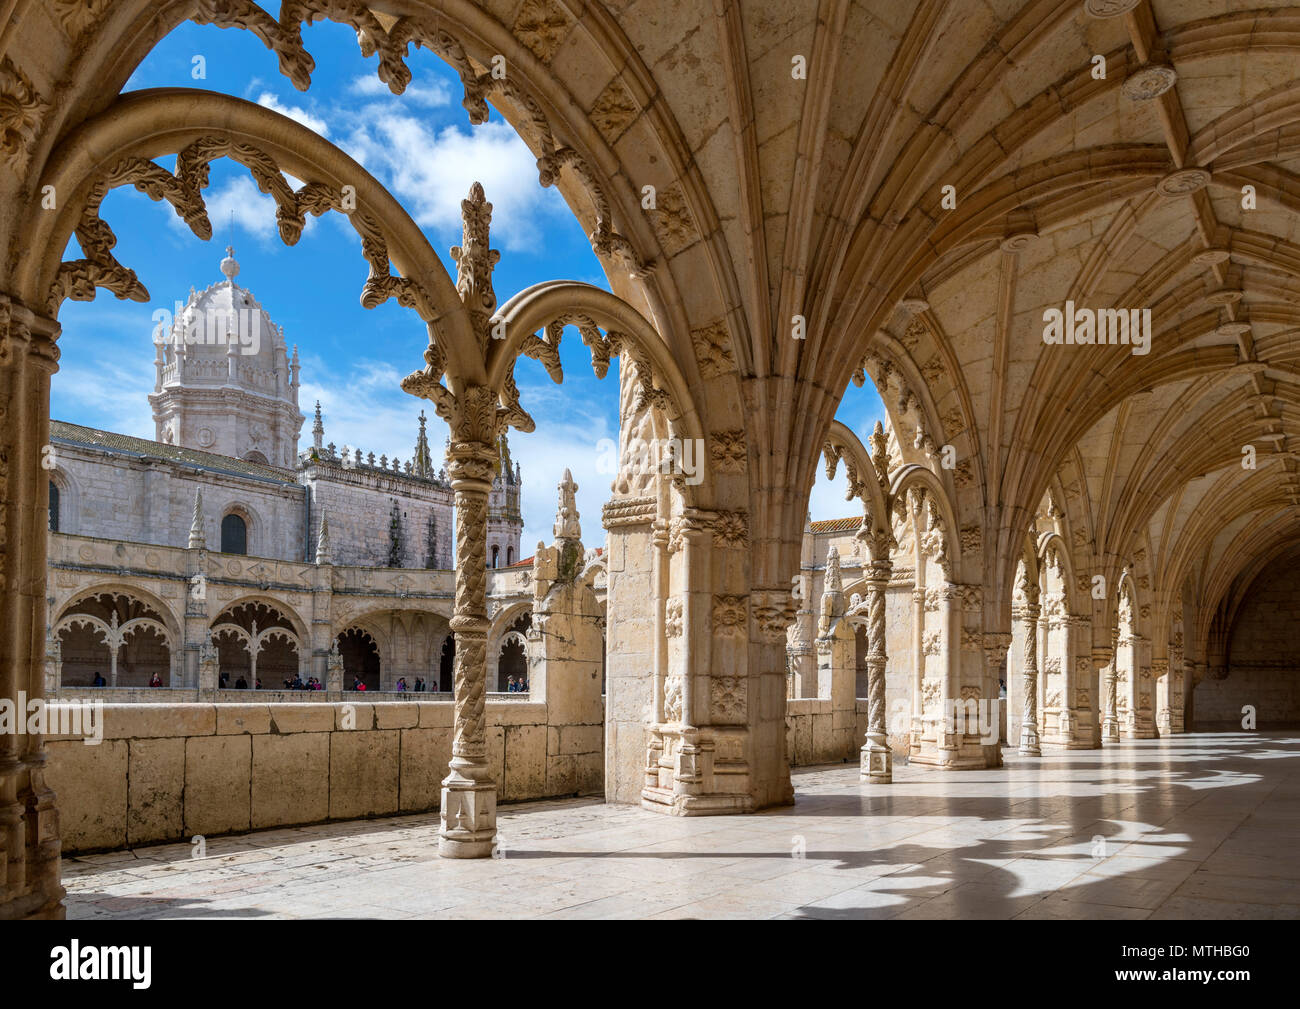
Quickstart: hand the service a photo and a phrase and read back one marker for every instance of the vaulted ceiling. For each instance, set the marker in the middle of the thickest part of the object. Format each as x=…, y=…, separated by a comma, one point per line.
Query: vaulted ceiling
x=1113, y=153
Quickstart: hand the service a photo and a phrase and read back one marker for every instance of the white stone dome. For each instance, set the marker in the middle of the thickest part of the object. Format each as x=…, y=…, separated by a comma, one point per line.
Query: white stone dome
x=226, y=318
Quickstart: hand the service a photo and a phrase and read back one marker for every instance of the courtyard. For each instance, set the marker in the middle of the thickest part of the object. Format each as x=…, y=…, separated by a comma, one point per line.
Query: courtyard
x=1186, y=827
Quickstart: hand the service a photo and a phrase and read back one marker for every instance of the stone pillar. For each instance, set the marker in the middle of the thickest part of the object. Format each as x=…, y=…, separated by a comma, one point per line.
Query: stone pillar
x=195, y=624
x=53, y=666
x=1029, y=668
x=208, y=671
x=29, y=819
x=918, y=661
x=1104, y=660
x=996, y=646
x=1160, y=674
x=334, y=670
x=660, y=578
x=1176, y=685
x=468, y=791
x=692, y=774
x=877, y=760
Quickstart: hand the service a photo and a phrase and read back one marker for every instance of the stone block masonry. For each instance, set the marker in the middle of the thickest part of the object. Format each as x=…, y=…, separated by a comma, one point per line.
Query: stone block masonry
x=166, y=772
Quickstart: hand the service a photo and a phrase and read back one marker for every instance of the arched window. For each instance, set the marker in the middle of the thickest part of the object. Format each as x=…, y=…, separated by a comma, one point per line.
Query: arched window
x=495, y=556
x=234, y=535
x=510, y=556
x=54, y=508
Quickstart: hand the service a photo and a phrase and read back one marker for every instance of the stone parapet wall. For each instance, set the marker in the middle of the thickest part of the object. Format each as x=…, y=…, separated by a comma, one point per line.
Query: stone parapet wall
x=812, y=736
x=168, y=772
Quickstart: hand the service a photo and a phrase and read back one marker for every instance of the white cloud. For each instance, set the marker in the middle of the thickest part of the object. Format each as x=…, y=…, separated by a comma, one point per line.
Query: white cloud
x=299, y=115
x=429, y=94
x=252, y=211
x=432, y=171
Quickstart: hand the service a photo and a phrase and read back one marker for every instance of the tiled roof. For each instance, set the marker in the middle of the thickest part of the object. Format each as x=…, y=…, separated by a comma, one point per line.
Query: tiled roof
x=89, y=437
x=848, y=525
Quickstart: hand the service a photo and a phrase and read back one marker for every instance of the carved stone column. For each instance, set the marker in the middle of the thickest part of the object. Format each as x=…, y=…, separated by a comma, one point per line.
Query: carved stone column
x=918, y=663
x=877, y=761
x=1110, y=718
x=29, y=817
x=996, y=646
x=469, y=821
x=1029, y=668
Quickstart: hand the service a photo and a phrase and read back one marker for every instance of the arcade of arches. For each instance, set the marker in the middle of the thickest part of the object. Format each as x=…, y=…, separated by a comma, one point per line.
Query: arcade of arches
x=844, y=191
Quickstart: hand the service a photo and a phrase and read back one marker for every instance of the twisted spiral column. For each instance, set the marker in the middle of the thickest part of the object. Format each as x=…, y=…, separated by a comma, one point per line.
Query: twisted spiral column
x=468, y=791
x=877, y=758
x=1029, y=722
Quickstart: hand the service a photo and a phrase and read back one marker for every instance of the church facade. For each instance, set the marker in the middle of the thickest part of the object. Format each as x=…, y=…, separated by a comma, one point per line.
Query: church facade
x=220, y=524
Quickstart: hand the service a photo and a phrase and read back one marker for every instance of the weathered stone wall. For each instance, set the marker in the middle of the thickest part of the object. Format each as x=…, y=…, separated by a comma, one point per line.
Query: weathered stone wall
x=358, y=504
x=120, y=497
x=1263, y=659
x=165, y=772
x=812, y=738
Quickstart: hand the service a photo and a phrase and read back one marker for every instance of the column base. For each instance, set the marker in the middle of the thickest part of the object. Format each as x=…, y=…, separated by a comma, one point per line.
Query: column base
x=1110, y=731
x=1029, y=742
x=469, y=813
x=877, y=760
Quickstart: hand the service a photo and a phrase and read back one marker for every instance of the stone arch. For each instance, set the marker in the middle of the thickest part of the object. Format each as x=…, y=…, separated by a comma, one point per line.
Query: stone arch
x=553, y=305
x=117, y=148
x=362, y=657
x=260, y=637
x=132, y=633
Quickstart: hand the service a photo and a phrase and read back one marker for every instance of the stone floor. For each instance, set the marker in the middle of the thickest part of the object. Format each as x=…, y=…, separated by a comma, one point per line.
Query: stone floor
x=1200, y=826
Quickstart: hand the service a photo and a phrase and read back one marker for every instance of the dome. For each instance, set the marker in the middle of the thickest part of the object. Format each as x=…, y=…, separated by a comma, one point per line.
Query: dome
x=226, y=320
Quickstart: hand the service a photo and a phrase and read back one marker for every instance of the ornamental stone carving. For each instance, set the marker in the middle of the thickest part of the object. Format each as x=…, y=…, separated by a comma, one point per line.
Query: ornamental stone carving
x=712, y=349
x=729, y=615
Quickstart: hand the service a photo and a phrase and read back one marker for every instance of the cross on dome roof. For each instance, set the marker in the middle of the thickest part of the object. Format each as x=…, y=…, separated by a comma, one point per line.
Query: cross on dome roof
x=229, y=266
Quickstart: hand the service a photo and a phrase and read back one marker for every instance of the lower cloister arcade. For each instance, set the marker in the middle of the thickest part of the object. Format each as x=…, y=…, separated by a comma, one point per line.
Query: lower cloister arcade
x=1101, y=530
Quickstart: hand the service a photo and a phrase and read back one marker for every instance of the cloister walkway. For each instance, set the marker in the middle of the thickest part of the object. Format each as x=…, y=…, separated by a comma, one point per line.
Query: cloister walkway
x=1195, y=826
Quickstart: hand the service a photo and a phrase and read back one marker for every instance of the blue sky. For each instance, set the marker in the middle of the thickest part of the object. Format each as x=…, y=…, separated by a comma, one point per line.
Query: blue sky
x=421, y=146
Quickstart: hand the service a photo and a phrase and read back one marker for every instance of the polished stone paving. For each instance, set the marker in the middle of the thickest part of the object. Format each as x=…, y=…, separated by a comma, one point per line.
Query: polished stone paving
x=1199, y=826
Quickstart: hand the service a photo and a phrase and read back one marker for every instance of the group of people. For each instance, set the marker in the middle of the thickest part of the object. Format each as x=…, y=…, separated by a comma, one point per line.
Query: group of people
x=420, y=685
x=517, y=686
x=296, y=682
x=223, y=681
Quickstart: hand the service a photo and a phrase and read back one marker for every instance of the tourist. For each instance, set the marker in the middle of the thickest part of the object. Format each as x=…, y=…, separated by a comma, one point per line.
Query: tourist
x=100, y=681
x=241, y=684
x=155, y=680
x=223, y=681
x=419, y=685
x=401, y=684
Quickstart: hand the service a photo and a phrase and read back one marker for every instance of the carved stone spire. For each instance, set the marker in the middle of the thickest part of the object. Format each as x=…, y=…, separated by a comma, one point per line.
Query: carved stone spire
x=880, y=453
x=475, y=260
x=566, y=516
x=318, y=429
x=833, y=581
x=197, y=541
x=422, y=463
x=323, y=555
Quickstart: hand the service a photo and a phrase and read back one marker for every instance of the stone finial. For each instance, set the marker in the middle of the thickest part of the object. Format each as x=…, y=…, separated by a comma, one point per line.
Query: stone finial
x=208, y=648
x=318, y=429
x=229, y=265
x=197, y=541
x=422, y=464
x=323, y=541
x=475, y=260
x=879, y=451
x=833, y=582
x=566, y=516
